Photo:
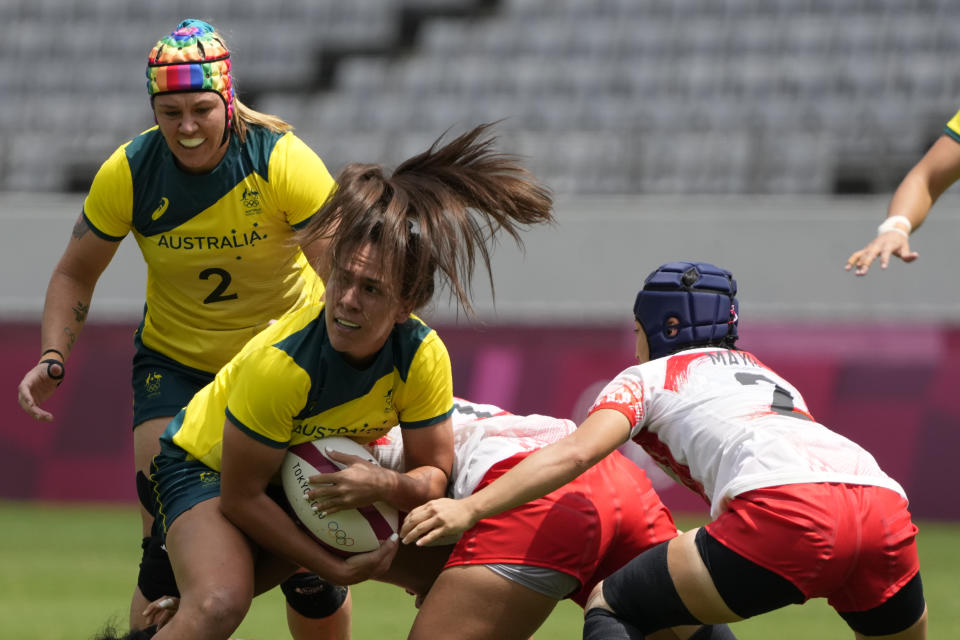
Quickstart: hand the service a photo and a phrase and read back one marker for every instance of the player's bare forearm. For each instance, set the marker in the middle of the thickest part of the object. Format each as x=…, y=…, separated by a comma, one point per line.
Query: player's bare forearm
x=923, y=185
x=65, y=313
x=417, y=486
x=537, y=475
x=913, y=199
x=428, y=454
x=555, y=465
x=71, y=286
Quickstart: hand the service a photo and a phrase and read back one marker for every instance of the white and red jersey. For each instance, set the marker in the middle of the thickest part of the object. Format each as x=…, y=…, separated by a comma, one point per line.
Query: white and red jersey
x=483, y=435
x=722, y=423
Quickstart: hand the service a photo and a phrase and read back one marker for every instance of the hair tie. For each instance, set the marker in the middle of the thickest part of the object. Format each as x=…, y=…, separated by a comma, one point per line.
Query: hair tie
x=63, y=369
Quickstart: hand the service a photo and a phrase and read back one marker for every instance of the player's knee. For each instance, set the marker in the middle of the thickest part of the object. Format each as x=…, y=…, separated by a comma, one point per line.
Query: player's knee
x=600, y=624
x=224, y=606
x=596, y=600
x=313, y=597
x=156, y=578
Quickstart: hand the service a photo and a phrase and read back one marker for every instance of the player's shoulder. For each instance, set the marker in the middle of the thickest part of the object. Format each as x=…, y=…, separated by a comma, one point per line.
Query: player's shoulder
x=268, y=147
x=414, y=339
x=108, y=206
x=952, y=128
x=124, y=156
x=288, y=350
x=290, y=331
x=137, y=159
x=259, y=135
x=290, y=163
x=146, y=144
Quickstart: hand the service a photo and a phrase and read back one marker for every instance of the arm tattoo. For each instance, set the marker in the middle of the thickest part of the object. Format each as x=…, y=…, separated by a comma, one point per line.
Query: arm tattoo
x=80, y=311
x=71, y=338
x=81, y=228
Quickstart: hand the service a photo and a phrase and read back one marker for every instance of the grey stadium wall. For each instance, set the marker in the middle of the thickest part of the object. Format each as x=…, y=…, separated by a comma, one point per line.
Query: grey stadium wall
x=787, y=253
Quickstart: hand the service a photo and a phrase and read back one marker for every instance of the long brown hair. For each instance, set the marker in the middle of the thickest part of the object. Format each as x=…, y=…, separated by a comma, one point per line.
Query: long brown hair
x=437, y=211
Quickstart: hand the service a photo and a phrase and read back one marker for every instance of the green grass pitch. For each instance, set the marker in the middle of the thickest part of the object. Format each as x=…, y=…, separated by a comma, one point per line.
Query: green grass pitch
x=65, y=570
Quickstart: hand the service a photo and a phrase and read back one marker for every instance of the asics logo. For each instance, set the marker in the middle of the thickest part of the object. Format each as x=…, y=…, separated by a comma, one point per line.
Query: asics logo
x=159, y=211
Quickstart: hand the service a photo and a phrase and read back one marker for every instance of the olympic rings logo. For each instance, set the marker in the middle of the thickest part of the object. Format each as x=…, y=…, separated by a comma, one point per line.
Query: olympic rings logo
x=340, y=536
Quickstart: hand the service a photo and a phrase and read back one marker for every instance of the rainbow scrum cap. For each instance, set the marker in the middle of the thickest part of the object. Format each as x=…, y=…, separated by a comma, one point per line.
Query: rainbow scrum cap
x=701, y=296
x=192, y=58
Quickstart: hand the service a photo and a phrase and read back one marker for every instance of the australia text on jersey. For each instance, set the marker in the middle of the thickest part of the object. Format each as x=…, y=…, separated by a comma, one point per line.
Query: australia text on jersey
x=189, y=243
x=320, y=431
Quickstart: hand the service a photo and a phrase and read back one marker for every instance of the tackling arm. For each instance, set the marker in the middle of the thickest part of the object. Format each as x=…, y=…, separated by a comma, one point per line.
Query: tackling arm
x=537, y=475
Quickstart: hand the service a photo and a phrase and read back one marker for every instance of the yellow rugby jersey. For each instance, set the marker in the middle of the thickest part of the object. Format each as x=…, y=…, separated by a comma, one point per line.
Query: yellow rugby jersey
x=953, y=127
x=220, y=250
x=288, y=385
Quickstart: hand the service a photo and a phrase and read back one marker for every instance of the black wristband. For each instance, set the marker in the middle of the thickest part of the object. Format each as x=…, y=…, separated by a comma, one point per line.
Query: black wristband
x=56, y=351
x=63, y=369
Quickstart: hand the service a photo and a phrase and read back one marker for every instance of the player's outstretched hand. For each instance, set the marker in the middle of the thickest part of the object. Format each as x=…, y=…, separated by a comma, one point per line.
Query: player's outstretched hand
x=436, y=522
x=883, y=246
x=36, y=387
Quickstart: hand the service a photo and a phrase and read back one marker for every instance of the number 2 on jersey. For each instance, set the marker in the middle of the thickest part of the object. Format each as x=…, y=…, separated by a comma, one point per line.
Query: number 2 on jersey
x=782, y=398
x=219, y=293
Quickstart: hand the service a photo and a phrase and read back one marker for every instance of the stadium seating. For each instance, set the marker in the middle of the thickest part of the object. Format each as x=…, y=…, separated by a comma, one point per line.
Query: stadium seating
x=607, y=96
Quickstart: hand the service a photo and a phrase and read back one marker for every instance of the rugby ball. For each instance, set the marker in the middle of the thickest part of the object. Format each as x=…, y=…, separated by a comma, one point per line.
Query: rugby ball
x=344, y=532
